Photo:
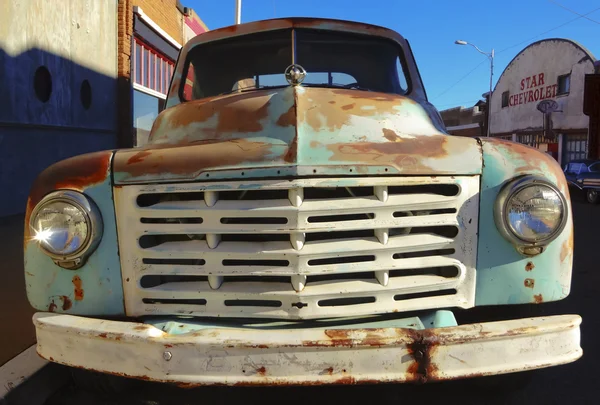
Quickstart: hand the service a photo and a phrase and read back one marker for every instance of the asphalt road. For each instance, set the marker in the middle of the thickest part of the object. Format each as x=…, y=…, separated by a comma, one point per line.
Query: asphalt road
x=576, y=383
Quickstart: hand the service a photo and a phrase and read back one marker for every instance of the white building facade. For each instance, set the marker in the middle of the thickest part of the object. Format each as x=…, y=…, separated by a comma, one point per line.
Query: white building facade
x=551, y=69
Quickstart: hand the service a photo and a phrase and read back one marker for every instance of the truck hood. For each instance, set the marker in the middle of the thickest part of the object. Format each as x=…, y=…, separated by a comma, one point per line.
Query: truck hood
x=296, y=131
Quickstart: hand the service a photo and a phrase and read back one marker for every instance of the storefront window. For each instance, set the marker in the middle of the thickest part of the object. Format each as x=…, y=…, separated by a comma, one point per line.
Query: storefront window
x=145, y=111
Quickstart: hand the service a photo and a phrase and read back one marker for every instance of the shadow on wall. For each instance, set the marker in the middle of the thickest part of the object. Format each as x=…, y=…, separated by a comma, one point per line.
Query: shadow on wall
x=50, y=109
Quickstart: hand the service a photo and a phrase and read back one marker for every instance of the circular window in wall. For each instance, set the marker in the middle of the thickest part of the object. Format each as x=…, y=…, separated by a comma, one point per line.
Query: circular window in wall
x=42, y=84
x=85, y=94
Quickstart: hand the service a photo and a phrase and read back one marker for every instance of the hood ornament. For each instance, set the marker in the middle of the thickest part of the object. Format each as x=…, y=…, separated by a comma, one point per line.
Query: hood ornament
x=295, y=74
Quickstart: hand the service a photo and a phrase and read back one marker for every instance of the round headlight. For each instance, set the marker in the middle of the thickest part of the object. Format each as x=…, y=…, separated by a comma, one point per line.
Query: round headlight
x=67, y=226
x=61, y=228
x=531, y=211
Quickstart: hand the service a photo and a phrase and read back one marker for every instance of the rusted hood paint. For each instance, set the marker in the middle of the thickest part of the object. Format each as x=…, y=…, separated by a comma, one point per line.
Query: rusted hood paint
x=304, y=128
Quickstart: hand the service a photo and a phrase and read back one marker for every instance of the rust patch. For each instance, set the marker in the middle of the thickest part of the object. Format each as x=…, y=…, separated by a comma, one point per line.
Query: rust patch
x=529, y=266
x=236, y=112
x=328, y=371
x=292, y=154
x=167, y=346
x=141, y=327
x=52, y=307
x=288, y=118
x=262, y=371
x=390, y=135
x=103, y=335
x=339, y=337
x=78, y=288
x=191, y=159
x=538, y=298
x=76, y=173
x=567, y=248
x=67, y=303
x=404, y=154
x=529, y=282
x=421, y=349
x=138, y=157
x=315, y=106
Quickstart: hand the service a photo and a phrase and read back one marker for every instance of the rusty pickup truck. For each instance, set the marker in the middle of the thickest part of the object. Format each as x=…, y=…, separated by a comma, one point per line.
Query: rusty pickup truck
x=300, y=216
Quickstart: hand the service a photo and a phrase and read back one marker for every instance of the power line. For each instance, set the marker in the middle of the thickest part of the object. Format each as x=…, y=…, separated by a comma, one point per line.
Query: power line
x=460, y=80
x=512, y=46
x=574, y=12
x=550, y=30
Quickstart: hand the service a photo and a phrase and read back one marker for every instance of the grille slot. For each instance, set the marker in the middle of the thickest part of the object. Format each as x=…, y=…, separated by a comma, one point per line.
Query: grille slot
x=249, y=262
x=253, y=303
x=341, y=260
x=298, y=249
x=340, y=218
x=429, y=294
x=173, y=301
x=148, y=200
x=151, y=281
x=448, y=190
x=175, y=262
x=342, y=302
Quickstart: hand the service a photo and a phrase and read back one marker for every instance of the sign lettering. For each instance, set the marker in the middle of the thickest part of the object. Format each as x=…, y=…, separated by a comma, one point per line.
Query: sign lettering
x=533, y=88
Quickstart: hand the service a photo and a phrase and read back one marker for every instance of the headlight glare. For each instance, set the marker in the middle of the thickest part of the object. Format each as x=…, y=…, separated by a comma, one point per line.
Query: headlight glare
x=61, y=228
x=67, y=226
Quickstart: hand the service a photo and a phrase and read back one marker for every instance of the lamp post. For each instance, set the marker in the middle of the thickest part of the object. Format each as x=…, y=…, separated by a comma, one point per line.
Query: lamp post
x=491, y=58
x=238, y=11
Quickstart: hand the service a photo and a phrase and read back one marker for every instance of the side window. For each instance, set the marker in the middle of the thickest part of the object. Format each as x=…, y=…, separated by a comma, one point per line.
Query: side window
x=564, y=84
x=505, y=99
x=401, y=74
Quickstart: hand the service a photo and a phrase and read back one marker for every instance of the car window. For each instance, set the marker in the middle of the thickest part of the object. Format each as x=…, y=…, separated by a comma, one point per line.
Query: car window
x=574, y=168
x=595, y=168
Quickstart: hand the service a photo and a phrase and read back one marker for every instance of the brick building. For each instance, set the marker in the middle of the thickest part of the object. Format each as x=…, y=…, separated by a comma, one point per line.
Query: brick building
x=150, y=32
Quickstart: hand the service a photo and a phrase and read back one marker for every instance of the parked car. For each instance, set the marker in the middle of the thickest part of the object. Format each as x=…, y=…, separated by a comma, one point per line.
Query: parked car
x=585, y=175
x=300, y=216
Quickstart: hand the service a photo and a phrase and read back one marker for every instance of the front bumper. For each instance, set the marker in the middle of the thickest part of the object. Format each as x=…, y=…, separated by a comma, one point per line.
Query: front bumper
x=307, y=356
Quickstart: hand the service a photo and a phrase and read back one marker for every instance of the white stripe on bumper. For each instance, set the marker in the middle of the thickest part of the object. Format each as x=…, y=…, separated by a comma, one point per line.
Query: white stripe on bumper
x=307, y=356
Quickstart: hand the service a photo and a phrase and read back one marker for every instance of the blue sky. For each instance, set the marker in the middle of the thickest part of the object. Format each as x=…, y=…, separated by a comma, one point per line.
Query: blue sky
x=431, y=26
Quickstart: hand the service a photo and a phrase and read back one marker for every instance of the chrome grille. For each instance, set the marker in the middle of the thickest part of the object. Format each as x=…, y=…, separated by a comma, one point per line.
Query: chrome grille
x=298, y=249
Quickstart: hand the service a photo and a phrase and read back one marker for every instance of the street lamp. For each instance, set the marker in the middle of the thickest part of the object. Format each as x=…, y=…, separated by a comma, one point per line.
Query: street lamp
x=238, y=11
x=491, y=58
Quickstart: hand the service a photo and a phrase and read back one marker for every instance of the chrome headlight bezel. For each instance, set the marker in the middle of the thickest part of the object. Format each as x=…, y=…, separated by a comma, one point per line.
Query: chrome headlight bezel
x=93, y=221
x=500, y=210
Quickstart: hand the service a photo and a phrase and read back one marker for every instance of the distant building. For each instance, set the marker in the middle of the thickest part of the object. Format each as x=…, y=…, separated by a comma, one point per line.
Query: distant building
x=466, y=121
x=551, y=69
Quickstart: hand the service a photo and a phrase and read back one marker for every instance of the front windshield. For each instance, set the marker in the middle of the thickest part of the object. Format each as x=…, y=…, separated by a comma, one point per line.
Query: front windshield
x=331, y=59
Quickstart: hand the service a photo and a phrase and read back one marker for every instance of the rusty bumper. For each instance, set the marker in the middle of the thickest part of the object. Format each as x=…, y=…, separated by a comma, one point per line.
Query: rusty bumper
x=307, y=356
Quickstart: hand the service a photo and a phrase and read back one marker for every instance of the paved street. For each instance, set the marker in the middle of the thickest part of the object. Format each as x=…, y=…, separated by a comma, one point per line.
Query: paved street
x=574, y=383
